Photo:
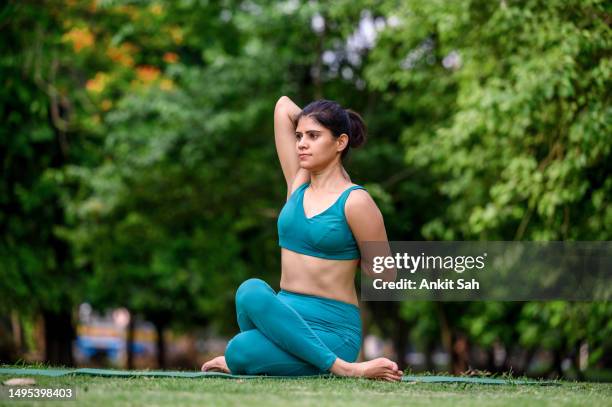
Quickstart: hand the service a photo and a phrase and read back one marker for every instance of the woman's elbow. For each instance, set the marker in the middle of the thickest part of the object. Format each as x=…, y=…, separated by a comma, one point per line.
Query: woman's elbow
x=281, y=102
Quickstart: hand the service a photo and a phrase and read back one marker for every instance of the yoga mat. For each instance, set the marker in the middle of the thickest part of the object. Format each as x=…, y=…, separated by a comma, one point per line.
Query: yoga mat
x=194, y=374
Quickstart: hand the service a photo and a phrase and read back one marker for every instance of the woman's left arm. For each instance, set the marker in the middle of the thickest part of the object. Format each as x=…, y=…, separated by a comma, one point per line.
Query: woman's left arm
x=367, y=224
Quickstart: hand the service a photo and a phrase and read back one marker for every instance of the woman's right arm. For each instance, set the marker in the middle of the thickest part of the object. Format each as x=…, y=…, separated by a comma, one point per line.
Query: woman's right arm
x=285, y=113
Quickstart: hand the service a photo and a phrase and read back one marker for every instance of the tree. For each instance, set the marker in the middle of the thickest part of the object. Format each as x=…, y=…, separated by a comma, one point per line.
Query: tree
x=509, y=115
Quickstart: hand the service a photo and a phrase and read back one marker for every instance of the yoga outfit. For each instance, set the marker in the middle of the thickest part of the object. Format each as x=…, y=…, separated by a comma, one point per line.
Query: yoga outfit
x=326, y=235
x=294, y=334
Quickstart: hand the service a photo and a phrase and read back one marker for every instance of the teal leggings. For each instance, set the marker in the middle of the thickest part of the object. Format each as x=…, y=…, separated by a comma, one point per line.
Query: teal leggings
x=290, y=334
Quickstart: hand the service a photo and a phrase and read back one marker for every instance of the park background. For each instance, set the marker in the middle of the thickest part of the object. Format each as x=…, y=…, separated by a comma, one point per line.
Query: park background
x=140, y=180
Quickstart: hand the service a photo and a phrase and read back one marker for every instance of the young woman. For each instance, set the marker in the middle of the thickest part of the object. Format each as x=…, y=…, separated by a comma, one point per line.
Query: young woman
x=312, y=325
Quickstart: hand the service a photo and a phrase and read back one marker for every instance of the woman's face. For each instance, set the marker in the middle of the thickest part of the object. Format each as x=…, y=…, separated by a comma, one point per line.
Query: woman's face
x=316, y=146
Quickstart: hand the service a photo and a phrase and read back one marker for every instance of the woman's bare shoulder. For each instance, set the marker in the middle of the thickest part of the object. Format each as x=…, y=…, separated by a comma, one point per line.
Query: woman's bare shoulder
x=364, y=218
x=360, y=204
x=359, y=198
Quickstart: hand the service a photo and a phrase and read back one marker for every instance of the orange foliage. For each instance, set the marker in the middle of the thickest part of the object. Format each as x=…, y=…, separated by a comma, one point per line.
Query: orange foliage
x=147, y=73
x=80, y=38
x=98, y=83
x=171, y=57
x=122, y=54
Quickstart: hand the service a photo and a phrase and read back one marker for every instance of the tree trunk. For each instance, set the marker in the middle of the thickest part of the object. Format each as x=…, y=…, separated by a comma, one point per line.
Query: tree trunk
x=17, y=333
x=528, y=359
x=446, y=334
x=59, y=334
x=400, y=338
x=429, y=363
x=129, y=343
x=8, y=350
x=161, y=343
x=491, y=366
x=460, y=353
x=557, y=369
x=576, y=361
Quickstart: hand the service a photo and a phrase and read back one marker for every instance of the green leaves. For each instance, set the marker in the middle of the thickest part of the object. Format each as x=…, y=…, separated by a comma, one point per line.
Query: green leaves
x=515, y=115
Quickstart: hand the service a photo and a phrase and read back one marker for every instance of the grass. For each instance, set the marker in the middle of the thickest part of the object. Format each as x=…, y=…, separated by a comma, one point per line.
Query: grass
x=150, y=392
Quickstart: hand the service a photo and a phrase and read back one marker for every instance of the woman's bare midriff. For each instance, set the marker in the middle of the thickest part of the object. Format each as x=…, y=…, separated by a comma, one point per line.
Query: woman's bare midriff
x=333, y=279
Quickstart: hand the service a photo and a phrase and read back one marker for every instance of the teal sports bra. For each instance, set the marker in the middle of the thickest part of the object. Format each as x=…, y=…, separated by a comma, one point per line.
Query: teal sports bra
x=326, y=235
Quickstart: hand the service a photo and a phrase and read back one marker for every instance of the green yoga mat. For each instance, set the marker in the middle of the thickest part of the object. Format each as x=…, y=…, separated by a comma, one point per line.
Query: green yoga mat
x=194, y=374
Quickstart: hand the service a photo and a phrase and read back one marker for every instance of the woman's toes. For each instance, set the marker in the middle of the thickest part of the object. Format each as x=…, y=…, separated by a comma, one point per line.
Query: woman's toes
x=208, y=365
x=393, y=377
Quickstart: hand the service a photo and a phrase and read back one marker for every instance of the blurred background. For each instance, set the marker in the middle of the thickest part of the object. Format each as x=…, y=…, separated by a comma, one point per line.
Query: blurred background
x=140, y=184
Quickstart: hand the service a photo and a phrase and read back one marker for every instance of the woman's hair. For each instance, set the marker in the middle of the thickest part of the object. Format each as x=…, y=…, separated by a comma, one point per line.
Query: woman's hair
x=337, y=119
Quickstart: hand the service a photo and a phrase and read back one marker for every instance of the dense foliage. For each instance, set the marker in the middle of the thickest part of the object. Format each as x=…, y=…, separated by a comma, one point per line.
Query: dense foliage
x=139, y=167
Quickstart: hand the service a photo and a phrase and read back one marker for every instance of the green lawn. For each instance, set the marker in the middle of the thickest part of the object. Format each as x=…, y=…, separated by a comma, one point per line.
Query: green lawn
x=99, y=391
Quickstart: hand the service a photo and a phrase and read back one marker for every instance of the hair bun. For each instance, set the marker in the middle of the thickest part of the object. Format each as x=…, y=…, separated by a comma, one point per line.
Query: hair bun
x=358, y=129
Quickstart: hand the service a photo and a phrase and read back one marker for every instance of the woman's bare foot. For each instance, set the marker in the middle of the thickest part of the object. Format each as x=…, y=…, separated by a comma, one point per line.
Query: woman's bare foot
x=216, y=365
x=377, y=369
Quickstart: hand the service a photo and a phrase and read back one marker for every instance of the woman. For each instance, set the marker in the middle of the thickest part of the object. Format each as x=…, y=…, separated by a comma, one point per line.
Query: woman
x=312, y=325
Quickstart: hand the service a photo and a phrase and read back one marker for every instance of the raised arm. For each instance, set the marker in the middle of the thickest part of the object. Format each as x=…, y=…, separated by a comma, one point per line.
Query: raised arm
x=285, y=113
